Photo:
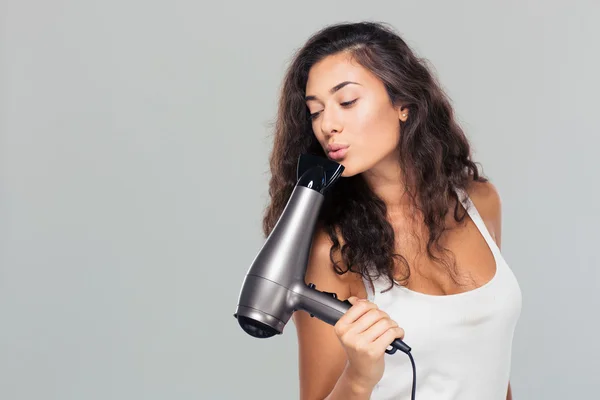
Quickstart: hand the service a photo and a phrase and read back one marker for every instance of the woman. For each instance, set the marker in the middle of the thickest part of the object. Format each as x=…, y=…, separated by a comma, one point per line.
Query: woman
x=410, y=235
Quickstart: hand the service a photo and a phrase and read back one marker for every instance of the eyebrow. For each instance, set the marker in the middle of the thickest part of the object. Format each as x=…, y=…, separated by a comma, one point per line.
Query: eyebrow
x=333, y=89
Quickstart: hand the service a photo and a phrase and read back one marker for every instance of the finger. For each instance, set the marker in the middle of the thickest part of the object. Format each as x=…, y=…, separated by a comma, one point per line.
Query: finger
x=384, y=341
x=367, y=320
x=351, y=316
x=356, y=311
x=356, y=300
x=378, y=328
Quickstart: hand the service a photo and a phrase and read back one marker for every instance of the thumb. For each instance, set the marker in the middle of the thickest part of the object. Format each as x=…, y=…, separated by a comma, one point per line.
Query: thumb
x=354, y=299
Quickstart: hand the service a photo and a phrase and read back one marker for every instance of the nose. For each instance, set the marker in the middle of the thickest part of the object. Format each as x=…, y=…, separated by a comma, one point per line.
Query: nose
x=330, y=123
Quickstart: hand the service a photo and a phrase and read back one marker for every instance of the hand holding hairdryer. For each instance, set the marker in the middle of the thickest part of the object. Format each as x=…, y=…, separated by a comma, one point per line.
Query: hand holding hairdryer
x=274, y=286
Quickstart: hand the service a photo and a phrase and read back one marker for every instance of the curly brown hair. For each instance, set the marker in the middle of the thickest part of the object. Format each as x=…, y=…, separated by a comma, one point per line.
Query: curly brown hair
x=433, y=151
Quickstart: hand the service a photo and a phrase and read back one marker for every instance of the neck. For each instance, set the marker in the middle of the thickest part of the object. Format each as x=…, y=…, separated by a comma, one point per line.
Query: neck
x=387, y=182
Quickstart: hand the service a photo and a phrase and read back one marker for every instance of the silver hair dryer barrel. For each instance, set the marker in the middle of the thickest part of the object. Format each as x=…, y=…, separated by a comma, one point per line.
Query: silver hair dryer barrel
x=274, y=286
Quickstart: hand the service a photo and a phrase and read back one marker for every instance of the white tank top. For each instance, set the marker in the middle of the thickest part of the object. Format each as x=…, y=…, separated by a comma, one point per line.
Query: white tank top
x=461, y=343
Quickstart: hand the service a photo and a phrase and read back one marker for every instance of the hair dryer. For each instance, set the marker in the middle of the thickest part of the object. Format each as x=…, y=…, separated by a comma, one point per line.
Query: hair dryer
x=274, y=286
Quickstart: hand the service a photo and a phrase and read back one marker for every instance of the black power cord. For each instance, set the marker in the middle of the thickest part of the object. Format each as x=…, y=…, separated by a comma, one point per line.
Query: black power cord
x=406, y=350
x=414, y=383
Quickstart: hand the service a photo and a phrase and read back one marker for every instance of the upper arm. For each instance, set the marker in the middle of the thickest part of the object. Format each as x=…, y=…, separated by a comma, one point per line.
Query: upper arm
x=322, y=358
x=487, y=200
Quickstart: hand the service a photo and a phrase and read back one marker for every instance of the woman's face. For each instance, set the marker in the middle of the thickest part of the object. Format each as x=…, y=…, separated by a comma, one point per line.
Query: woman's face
x=350, y=108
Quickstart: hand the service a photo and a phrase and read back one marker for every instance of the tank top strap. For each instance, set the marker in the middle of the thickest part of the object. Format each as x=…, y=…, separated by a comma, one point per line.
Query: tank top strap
x=468, y=204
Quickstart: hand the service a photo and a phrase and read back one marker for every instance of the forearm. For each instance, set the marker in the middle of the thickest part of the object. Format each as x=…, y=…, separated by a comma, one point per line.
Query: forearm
x=348, y=388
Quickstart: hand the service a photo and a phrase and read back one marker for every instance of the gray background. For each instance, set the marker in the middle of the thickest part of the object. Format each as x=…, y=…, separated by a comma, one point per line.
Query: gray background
x=133, y=167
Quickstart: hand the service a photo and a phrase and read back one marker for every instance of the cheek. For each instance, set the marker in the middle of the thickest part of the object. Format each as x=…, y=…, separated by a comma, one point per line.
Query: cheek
x=377, y=128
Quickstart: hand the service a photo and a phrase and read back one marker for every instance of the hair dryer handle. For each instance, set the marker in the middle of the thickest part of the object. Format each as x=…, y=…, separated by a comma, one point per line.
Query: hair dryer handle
x=397, y=344
x=328, y=308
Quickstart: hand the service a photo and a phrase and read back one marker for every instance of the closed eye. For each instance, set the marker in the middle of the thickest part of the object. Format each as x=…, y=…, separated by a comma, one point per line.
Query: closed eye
x=344, y=104
x=348, y=103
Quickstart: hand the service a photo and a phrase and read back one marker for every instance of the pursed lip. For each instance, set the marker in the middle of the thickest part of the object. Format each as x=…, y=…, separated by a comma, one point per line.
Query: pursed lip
x=336, y=147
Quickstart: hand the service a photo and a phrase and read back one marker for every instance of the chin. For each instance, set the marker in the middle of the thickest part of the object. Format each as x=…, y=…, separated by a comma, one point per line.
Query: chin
x=348, y=170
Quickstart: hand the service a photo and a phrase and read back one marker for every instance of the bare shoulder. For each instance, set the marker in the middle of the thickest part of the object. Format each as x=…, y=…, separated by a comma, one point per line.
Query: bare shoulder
x=320, y=269
x=486, y=198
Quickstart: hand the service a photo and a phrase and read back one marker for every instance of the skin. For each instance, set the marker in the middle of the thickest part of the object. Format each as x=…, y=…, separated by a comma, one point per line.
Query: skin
x=360, y=115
